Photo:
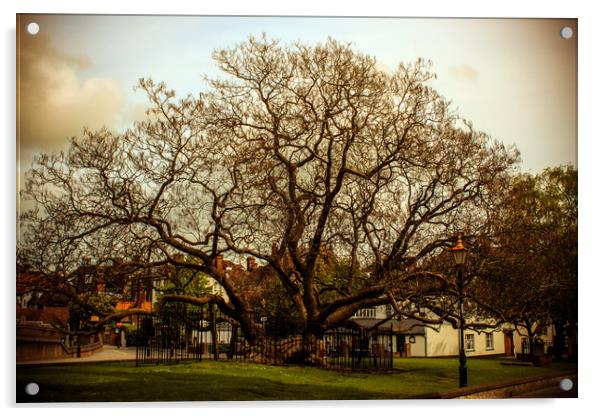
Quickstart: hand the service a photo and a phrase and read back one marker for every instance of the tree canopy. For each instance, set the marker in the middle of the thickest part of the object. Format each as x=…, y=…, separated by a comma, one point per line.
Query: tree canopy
x=344, y=181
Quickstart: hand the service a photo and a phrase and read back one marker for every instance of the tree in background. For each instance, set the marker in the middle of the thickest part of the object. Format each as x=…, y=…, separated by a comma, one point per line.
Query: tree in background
x=529, y=264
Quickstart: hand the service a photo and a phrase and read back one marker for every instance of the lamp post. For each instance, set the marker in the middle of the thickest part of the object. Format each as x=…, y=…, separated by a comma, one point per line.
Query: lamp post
x=459, y=252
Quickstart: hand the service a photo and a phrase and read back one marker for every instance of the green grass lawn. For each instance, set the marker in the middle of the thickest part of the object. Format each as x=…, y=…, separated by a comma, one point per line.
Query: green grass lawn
x=209, y=380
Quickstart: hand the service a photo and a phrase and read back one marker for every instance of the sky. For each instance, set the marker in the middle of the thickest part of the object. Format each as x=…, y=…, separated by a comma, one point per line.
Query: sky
x=515, y=79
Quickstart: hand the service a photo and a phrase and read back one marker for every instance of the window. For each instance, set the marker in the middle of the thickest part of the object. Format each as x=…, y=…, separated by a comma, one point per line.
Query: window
x=366, y=313
x=469, y=342
x=489, y=341
x=389, y=310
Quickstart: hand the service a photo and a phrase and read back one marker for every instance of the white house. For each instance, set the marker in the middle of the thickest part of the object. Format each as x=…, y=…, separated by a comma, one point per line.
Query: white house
x=543, y=334
x=412, y=338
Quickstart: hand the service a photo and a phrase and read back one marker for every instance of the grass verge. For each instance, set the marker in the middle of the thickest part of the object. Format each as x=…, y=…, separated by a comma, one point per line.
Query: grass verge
x=238, y=381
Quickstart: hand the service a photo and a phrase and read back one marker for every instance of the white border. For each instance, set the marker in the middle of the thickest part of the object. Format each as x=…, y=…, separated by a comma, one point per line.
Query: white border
x=589, y=154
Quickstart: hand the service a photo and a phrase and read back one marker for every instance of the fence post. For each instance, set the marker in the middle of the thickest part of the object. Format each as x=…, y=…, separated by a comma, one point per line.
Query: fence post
x=213, y=331
x=138, y=338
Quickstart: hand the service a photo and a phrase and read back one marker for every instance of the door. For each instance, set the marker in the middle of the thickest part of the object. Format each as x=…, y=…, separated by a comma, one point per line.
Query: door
x=401, y=344
x=509, y=344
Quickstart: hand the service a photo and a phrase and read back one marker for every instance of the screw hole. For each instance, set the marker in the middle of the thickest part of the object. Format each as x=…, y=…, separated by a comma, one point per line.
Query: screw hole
x=566, y=384
x=32, y=389
x=33, y=28
x=566, y=32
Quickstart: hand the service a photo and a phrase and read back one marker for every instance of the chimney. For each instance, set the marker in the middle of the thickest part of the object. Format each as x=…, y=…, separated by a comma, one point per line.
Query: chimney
x=251, y=264
x=179, y=257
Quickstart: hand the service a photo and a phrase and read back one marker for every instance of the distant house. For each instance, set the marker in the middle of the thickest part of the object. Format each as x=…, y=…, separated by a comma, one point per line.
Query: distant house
x=39, y=305
x=413, y=338
x=544, y=338
x=408, y=339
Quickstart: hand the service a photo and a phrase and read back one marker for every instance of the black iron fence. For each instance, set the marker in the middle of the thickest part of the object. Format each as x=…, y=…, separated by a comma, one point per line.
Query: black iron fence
x=184, y=333
x=357, y=349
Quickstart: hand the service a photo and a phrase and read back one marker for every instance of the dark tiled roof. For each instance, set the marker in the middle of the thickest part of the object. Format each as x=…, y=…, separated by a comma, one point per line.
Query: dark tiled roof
x=406, y=326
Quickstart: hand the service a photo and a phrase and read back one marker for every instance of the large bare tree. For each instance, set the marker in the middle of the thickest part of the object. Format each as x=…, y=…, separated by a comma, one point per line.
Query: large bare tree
x=296, y=154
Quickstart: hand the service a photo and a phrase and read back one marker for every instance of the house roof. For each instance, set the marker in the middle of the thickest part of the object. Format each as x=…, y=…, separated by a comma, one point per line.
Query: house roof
x=406, y=326
x=27, y=281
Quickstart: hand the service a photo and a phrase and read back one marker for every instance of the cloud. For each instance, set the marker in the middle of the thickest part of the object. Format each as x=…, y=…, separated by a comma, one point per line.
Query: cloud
x=381, y=66
x=55, y=103
x=463, y=72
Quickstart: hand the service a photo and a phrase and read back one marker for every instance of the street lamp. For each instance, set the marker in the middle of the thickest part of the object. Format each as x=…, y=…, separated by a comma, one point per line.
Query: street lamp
x=459, y=252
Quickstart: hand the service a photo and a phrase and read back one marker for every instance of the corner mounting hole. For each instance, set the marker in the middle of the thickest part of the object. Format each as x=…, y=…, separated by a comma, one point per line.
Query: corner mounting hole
x=33, y=28
x=566, y=32
x=566, y=384
x=32, y=389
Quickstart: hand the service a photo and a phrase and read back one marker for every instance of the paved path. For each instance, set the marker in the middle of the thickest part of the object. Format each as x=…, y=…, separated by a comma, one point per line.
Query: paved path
x=108, y=353
x=554, y=392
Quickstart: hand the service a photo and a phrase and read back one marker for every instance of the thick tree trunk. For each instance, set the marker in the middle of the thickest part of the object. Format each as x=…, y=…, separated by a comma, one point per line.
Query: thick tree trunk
x=233, y=342
x=251, y=330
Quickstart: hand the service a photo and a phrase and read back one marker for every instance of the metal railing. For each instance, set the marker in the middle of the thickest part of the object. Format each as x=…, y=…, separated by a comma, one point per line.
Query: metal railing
x=195, y=334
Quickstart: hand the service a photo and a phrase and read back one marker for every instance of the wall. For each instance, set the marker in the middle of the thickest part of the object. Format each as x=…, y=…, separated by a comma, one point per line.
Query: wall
x=445, y=342
x=417, y=348
x=36, y=341
x=481, y=344
x=441, y=343
x=520, y=333
x=39, y=341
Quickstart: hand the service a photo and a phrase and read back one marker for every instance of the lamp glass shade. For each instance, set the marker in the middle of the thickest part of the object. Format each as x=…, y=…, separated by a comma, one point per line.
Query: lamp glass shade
x=459, y=252
x=460, y=256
